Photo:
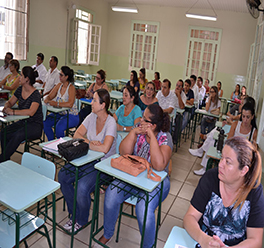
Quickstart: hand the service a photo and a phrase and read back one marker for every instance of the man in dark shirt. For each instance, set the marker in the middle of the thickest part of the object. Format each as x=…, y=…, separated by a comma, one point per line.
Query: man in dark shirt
x=190, y=100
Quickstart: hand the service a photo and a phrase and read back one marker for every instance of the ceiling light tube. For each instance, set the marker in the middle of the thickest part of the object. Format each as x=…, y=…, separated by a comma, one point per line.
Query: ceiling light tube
x=202, y=17
x=124, y=9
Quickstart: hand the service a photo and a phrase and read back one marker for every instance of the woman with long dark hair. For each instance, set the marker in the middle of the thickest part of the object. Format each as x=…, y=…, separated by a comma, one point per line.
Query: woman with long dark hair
x=29, y=103
x=151, y=140
x=62, y=95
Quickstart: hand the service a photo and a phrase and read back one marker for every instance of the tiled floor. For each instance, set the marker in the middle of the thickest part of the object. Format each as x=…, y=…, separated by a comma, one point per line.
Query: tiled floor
x=183, y=183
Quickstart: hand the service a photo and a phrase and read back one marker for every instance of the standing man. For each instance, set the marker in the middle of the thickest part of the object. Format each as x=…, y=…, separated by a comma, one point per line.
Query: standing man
x=201, y=91
x=52, y=77
x=4, y=70
x=41, y=69
x=166, y=97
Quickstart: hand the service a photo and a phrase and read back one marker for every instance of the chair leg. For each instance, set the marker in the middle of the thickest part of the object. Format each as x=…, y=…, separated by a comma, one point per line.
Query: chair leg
x=47, y=235
x=25, y=243
x=119, y=222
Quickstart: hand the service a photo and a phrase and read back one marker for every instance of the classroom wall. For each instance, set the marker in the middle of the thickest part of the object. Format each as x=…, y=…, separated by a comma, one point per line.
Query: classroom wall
x=238, y=31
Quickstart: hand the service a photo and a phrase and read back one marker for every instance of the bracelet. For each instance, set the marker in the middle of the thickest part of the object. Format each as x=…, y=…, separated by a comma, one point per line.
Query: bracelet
x=58, y=104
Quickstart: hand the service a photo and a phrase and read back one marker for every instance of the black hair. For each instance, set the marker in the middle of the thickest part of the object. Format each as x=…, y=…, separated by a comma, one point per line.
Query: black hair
x=41, y=55
x=158, y=74
x=55, y=59
x=220, y=84
x=201, y=79
x=251, y=100
x=167, y=80
x=143, y=71
x=238, y=90
x=104, y=97
x=249, y=107
x=29, y=73
x=11, y=54
x=131, y=91
x=208, y=80
x=135, y=77
x=194, y=77
x=180, y=80
x=159, y=117
x=67, y=71
x=188, y=81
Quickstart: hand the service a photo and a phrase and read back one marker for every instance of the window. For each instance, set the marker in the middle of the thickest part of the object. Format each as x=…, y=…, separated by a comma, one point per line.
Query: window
x=13, y=28
x=143, y=48
x=86, y=39
x=202, y=52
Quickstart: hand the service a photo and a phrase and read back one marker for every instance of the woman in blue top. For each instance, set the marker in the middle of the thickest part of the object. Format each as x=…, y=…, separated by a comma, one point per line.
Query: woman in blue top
x=236, y=93
x=128, y=114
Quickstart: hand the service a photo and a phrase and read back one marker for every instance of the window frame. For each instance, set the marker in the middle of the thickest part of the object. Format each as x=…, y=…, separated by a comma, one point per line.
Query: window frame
x=131, y=63
x=90, y=55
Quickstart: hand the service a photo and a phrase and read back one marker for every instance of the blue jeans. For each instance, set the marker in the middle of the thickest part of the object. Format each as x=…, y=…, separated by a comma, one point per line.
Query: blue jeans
x=86, y=185
x=113, y=199
x=61, y=124
x=186, y=118
x=205, y=124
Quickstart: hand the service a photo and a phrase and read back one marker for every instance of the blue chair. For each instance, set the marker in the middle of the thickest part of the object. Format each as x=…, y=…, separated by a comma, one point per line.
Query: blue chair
x=29, y=223
x=118, y=141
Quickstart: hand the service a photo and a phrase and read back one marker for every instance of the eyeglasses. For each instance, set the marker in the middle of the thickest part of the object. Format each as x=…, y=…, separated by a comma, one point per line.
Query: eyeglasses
x=61, y=75
x=211, y=91
x=151, y=89
x=98, y=78
x=144, y=119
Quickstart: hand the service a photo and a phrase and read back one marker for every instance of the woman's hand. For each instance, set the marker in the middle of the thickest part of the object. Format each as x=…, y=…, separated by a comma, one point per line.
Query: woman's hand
x=53, y=103
x=8, y=111
x=96, y=143
x=46, y=100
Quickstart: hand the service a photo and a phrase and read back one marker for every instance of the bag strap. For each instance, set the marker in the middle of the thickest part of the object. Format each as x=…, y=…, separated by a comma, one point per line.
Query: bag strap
x=251, y=132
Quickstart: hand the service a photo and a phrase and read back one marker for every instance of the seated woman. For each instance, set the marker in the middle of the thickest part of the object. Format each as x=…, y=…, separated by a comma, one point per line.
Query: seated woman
x=29, y=103
x=246, y=128
x=99, y=130
x=11, y=82
x=149, y=96
x=157, y=81
x=243, y=92
x=220, y=91
x=128, y=114
x=236, y=93
x=62, y=95
x=142, y=78
x=99, y=84
x=134, y=83
x=227, y=205
x=149, y=139
x=213, y=105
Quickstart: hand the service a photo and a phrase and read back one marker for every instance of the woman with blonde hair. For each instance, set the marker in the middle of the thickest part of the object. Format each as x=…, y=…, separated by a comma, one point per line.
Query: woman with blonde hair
x=227, y=205
x=149, y=96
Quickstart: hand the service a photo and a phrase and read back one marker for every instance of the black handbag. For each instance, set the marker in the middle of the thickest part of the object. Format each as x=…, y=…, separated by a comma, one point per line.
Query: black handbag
x=73, y=149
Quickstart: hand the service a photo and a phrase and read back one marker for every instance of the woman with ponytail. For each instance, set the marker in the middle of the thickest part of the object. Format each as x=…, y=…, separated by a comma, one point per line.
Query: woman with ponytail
x=29, y=103
x=227, y=205
x=62, y=95
x=151, y=140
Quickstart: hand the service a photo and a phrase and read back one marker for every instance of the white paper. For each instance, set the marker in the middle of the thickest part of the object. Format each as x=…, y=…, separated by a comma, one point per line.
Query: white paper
x=53, y=146
x=180, y=246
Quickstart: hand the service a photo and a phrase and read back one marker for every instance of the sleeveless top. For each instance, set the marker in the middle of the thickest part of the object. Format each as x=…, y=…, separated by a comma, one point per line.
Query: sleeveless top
x=10, y=83
x=65, y=98
x=237, y=132
x=92, y=90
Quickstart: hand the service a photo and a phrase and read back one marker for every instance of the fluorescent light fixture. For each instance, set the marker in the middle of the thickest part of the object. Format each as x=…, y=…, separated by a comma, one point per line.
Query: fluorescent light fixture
x=124, y=9
x=202, y=17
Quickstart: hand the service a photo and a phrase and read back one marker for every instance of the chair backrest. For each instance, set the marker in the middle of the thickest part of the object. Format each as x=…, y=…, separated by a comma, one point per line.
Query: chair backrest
x=78, y=104
x=39, y=165
x=118, y=141
x=44, y=111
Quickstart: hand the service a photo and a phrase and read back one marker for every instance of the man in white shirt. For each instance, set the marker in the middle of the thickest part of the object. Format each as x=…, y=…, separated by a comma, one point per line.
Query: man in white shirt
x=194, y=88
x=180, y=95
x=52, y=77
x=4, y=70
x=201, y=91
x=41, y=69
x=166, y=97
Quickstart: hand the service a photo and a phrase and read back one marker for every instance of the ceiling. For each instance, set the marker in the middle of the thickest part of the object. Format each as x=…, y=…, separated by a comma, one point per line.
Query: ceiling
x=225, y=5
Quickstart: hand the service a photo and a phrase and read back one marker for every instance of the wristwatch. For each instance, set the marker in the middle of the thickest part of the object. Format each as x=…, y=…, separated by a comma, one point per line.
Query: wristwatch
x=124, y=128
